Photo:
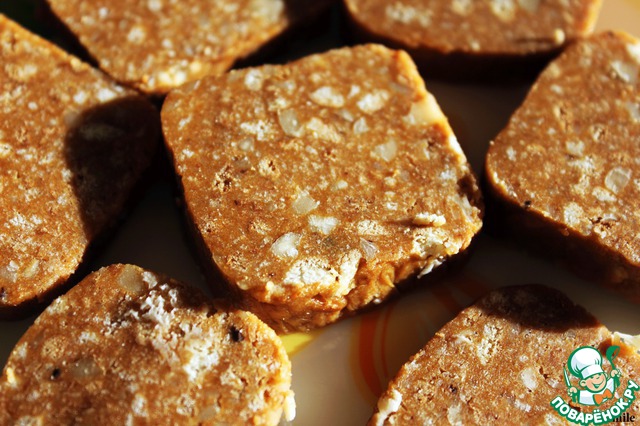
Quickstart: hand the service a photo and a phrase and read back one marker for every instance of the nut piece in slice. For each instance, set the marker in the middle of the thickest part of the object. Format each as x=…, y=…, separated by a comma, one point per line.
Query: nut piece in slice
x=565, y=169
x=506, y=360
x=471, y=38
x=317, y=186
x=126, y=346
x=72, y=147
x=156, y=45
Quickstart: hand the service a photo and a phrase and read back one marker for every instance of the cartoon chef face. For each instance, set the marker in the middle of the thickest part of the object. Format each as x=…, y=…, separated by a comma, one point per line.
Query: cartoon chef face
x=595, y=383
x=586, y=364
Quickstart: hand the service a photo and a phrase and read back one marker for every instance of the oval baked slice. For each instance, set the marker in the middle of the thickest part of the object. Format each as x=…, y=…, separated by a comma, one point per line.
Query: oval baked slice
x=475, y=38
x=127, y=345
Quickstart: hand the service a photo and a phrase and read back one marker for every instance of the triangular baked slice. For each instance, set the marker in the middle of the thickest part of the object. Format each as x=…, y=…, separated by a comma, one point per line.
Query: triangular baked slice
x=504, y=360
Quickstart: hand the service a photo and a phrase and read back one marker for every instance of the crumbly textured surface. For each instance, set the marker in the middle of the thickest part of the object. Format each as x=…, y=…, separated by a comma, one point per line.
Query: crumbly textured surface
x=156, y=45
x=473, y=37
x=487, y=26
x=566, y=165
x=501, y=361
x=316, y=186
x=72, y=146
x=127, y=346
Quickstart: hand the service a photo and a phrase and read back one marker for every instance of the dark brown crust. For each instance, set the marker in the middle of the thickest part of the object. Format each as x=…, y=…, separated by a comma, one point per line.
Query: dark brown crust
x=582, y=255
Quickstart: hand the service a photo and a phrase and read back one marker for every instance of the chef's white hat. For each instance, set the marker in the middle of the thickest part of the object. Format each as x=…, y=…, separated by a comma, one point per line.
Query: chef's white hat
x=585, y=362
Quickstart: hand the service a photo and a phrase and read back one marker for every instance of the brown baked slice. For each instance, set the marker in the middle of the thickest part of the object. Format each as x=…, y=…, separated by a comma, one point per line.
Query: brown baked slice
x=565, y=169
x=128, y=346
x=316, y=187
x=470, y=38
x=503, y=361
x=156, y=45
x=72, y=146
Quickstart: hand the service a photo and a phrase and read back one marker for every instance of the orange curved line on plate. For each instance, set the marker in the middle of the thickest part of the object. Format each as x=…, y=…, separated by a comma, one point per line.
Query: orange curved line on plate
x=365, y=349
x=383, y=341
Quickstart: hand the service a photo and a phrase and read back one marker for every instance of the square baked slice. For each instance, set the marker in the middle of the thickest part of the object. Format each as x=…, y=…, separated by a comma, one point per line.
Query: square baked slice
x=315, y=187
x=519, y=355
x=565, y=171
x=73, y=145
x=475, y=38
x=129, y=346
x=156, y=45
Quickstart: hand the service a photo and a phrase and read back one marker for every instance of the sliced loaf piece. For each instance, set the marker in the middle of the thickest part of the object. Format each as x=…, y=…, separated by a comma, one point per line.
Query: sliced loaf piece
x=73, y=145
x=316, y=187
x=128, y=346
x=565, y=170
x=157, y=45
x=506, y=360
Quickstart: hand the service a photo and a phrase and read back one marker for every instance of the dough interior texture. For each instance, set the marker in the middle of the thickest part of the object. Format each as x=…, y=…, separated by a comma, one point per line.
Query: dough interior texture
x=73, y=145
x=317, y=186
x=127, y=345
x=565, y=168
x=501, y=361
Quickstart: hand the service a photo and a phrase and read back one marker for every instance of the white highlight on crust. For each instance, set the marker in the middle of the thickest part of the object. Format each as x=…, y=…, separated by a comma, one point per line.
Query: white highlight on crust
x=370, y=227
x=286, y=246
x=626, y=71
x=387, y=406
x=504, y=9
x=406, y=14
x=453, y=414
x=617, y=179
x=530, y=6
x=634, y=51
x=369, y=249
x=322, y=224
x=372, y=102
x=429, y=219
x=327, y=96
x=573, y=214
x=316, y=271
x=290, y=407
x=634, y=111
x=202, y=358
x=304, y=203
x=386, y=151
x=529, y=378
x=425, y=112
x=462, y=7
x=253, y=79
